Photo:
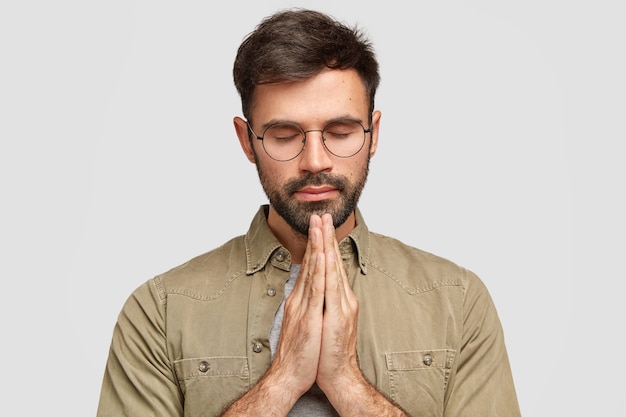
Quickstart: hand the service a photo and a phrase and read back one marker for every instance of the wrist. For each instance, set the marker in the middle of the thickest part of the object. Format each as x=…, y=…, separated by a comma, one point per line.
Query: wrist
x=281, y=387
x=345, y=386
x=351, y=394
x=270, y=396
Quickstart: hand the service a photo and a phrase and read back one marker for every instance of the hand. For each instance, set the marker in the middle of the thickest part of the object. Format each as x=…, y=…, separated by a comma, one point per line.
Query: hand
x=338, y=361
x=298, y=350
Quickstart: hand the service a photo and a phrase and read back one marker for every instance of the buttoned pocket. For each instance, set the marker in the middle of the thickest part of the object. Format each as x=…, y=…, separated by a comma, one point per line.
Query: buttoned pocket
x=211, y=384
x=418, y=379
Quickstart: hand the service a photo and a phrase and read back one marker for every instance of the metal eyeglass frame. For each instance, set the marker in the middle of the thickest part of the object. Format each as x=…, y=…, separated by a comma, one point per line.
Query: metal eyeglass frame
x=304, y=132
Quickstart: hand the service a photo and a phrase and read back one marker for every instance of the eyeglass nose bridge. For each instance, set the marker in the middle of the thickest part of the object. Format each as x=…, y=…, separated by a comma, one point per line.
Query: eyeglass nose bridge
x=304, y=140
x=304, y=132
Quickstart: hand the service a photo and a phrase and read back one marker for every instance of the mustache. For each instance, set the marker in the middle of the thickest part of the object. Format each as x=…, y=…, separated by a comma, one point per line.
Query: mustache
x=310, y=179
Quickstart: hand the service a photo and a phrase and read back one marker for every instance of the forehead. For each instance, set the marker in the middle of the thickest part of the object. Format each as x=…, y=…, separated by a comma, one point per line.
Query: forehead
x=328, y=95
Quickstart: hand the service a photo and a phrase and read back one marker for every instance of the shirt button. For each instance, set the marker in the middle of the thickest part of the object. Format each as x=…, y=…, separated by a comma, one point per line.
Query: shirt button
x=203, y=366
x=428, y=360
x=257, y=348
x=271, y=292
x=280, y=257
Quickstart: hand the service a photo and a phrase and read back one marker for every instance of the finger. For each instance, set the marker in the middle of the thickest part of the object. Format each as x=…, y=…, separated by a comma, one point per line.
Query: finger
x=333, y=268
x=337, y=278
x=315, y=281
x=306, y=264
x=330, y=237
x=332, y=246
x=310, y=262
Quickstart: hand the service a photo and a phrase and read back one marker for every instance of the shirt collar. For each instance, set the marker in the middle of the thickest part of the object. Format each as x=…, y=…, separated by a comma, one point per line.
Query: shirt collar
x=263, y=247
x=361, y=237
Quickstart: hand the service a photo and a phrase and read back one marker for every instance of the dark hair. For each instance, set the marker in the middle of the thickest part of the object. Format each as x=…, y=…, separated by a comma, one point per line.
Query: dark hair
x=296, y=44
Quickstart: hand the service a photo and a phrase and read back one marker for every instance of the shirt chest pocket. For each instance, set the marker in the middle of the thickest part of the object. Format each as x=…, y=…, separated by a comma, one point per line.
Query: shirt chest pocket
x=209, y=385
x=418, y=379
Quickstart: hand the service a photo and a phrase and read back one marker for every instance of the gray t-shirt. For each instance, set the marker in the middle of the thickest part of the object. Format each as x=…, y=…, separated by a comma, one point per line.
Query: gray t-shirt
x=314, y=402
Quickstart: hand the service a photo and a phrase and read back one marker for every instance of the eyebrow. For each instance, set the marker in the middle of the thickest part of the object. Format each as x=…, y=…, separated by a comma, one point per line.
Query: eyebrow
x=326, y=123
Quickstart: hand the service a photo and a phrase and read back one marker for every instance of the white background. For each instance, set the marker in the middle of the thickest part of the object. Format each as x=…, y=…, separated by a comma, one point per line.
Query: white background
x=500, y=148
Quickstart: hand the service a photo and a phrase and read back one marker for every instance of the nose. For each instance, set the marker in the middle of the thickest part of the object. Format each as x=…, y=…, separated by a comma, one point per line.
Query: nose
x=315, y=157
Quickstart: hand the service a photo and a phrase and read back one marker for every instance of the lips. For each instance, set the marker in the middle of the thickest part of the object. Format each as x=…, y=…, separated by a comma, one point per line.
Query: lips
x=320, y=193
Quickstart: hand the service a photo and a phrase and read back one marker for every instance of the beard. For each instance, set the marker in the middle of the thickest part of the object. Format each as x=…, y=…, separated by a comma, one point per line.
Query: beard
x=297, y=213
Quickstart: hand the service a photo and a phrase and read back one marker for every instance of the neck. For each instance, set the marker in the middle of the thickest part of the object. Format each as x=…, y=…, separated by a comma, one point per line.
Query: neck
x=295, y=242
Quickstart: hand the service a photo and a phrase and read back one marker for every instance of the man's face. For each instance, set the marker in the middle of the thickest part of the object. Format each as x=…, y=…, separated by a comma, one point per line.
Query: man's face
x=316, y=181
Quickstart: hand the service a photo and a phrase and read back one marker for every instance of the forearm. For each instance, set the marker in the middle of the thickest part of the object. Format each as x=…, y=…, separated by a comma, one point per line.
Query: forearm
x=269, y=397
x=357, y=397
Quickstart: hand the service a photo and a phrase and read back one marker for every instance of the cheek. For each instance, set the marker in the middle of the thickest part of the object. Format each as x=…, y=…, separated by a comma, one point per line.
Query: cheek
x=356, y=168
x=270, y=171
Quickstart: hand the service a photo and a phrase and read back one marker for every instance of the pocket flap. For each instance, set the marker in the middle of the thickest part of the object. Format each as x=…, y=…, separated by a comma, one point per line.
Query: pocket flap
x=420, y=359
x=212, y=367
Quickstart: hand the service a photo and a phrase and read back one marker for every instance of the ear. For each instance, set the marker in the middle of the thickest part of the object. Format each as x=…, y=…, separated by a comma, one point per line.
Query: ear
x=243, y=133
x=375, y=129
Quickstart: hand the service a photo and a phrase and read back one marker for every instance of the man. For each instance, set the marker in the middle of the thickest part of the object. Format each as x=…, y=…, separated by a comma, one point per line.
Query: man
x=309, y=313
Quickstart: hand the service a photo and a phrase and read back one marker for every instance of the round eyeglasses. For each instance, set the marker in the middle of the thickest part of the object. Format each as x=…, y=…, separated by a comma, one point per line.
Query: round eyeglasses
x=285, y=141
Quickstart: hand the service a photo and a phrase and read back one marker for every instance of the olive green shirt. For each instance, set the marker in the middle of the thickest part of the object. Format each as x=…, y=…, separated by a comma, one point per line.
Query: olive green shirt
x=191, y=341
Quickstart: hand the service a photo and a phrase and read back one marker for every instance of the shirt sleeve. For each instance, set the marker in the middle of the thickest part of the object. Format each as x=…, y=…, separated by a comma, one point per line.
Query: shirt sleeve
x=483, y=383
x=139, y=379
